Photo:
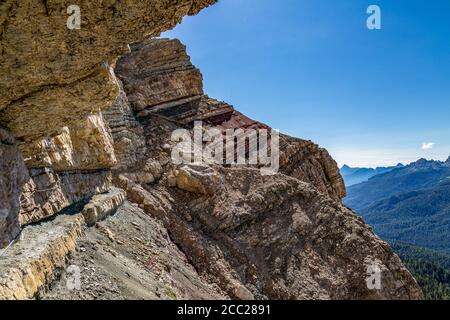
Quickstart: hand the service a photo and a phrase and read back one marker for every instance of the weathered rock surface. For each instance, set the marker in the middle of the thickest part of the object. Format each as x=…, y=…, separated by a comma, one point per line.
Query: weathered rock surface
x=308, y=162
x=127, y=133
x=54, y=82
x=277, y=237
x=154, y=76
x=157, y=72
x=85, y=145
x=12, y=175
x=34, y=37
x=198, y=179
x=127, y=256
x=46, y=66
x=47, y=192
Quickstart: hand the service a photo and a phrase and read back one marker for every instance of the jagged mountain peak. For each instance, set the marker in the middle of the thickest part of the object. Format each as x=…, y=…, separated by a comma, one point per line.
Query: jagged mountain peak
x=425, y=164
x=448, y=161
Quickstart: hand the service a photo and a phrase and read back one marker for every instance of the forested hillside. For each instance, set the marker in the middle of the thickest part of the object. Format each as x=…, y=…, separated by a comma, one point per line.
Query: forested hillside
x=430, y=268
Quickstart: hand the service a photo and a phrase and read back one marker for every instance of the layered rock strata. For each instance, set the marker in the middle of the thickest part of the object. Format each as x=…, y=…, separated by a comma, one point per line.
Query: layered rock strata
x=47, y=192
x=38, y=258
x=127, y=133
x=131, y=256
x=160, y=81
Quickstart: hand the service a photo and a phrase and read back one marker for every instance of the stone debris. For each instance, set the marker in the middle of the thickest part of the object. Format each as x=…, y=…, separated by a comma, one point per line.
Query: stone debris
x=135, y=269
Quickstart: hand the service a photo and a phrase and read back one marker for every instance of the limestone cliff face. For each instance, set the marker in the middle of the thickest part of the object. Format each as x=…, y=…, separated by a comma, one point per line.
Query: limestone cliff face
x=72, y=131
x=43, y=62
x=52, y=78
x=85, y=145
x=54, y=82
x=47, y=192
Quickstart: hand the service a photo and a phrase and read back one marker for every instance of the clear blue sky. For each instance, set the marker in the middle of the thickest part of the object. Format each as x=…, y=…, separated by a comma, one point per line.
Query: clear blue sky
x=312, y=69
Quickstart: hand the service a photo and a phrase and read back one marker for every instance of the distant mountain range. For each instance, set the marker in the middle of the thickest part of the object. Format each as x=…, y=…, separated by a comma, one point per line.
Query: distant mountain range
x=354, y=176
x=410, y=204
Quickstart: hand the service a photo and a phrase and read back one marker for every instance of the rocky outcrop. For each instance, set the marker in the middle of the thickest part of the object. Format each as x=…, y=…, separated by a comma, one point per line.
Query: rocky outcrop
x=33, y=262
x=57, y=256
x=308, y=162
x=158, y=72
x=285, y=236
x=275, y=237
x=52, y=77
x=127, y=133
x=160, y=81
x=47, y=66
x=198, y=179
x=103, y=205
x=86, y=145
x=131, y=256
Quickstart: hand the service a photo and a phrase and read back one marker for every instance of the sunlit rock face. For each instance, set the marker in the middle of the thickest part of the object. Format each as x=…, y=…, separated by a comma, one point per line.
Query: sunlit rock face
x=47, y=192
x=54, y=84
x=39, y=52
x=51, y=76
x=85, y=145
x=159, y=79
